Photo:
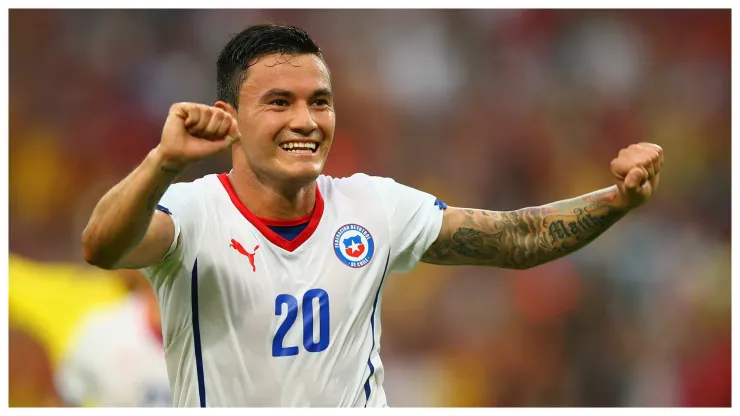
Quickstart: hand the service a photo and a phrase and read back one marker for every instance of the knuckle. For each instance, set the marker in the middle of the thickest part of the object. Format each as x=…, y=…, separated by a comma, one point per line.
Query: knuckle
x=654, y=148
x=614, y=164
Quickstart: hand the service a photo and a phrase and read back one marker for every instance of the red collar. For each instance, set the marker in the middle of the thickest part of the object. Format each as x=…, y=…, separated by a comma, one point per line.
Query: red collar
x=262, y=224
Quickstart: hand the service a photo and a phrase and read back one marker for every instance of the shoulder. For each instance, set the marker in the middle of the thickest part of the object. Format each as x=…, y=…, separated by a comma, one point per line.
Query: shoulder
x=195, y=189
x=189, y=199
x=361, y=182
x=365, y=188
x=359, y=190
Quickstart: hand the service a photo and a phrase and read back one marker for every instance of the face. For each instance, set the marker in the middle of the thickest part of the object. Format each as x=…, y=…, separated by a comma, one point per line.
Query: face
x=286, y=118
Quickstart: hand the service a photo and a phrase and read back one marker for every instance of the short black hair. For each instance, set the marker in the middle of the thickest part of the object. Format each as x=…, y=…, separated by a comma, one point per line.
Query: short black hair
x=252, y=43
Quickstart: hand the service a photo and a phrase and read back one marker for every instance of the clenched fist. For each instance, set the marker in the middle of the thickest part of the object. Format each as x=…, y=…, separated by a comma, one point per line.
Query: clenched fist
x=193, y=132
x=637, y=169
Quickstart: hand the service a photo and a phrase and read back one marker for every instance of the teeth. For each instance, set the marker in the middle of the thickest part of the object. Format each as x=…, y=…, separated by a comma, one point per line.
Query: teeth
x=298, y=145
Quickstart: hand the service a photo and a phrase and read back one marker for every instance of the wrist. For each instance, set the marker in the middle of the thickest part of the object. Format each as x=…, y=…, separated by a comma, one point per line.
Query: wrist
x=164, y=165
x=612, y=197
x=622, y=202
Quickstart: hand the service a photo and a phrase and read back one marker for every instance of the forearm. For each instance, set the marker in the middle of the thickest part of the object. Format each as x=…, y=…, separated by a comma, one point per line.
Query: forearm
x=526, y=237
x=122, y=217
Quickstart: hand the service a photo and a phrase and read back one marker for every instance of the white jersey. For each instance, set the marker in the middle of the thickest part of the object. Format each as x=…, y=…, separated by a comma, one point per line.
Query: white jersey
x=116, y=360
x=252, y=319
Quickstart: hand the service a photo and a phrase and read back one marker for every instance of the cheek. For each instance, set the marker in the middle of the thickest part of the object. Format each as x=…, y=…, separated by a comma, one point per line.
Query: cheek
x=263, y=129
x=326, y=120
x=272, y=124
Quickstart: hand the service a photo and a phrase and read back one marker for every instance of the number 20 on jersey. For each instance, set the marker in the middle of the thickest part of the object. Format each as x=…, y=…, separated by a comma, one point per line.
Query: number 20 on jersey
x=291, y=303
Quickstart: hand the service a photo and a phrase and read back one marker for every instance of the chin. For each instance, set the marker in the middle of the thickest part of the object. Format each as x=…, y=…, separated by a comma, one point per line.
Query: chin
x=302, y=172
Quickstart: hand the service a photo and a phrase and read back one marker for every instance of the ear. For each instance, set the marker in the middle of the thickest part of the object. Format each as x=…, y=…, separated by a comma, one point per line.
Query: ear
x=223, y=105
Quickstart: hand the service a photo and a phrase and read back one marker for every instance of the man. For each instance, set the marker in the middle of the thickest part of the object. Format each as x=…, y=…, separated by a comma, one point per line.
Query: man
x=269, y=276
x=117, y=357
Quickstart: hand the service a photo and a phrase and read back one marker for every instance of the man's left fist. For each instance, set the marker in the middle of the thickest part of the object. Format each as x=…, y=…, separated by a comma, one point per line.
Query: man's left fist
x=637, y=169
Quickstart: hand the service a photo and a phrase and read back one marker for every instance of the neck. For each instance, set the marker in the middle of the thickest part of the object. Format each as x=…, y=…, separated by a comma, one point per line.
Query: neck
x=284, y=202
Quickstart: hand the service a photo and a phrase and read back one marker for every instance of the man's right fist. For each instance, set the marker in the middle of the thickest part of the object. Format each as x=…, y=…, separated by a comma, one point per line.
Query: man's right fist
x=193, y=132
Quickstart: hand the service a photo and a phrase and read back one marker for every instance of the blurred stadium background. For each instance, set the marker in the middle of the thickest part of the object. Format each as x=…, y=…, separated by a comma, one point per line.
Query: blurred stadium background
x=484, y=108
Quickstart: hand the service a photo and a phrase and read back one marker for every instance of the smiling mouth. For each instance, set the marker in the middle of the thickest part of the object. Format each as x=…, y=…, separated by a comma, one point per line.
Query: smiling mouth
x=300, y=147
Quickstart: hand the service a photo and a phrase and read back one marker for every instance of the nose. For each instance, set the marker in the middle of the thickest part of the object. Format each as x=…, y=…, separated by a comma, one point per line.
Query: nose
x=302, y=121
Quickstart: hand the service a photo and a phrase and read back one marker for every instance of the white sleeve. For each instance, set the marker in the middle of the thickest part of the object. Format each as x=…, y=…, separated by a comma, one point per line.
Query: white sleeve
x=415, y=220
x=184, y=203
x=76, y=379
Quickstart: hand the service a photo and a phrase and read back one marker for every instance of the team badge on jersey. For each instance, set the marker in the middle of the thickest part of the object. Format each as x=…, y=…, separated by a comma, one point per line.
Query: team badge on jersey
x=354, y=245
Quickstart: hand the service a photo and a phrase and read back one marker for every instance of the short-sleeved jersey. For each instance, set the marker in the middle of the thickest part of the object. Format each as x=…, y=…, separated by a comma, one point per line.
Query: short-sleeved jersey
x=116, y=360
x=252, y=319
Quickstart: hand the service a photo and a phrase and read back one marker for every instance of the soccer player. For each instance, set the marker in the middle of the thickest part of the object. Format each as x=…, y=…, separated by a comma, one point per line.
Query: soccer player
x=269, y=276
x=117, y=357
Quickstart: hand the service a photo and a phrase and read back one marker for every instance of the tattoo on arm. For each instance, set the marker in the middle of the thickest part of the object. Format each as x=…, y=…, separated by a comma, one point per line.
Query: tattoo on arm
x=476, y=244
x=523, y=238
x=171, y=171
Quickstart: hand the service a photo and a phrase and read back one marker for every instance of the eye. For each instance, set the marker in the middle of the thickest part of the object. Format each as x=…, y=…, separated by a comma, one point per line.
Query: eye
x=321, y=102
x=279, y=103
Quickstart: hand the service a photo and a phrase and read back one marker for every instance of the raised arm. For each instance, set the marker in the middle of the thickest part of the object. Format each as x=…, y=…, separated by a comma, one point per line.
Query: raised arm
x=124, y=231
x=532, y=236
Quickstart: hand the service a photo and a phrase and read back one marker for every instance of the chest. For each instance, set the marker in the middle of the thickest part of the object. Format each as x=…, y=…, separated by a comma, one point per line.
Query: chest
x=248, y=276
x=340, y=258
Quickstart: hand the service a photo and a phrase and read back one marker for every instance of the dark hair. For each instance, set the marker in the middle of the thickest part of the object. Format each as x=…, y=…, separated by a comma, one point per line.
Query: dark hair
x=252, y=43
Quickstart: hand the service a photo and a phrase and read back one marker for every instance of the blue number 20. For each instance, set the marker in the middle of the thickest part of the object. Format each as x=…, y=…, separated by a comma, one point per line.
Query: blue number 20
x=292, y=308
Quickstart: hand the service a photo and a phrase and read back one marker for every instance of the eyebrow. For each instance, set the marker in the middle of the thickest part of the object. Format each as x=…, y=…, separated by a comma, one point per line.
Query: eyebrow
x=277, y=92
x=322, y=92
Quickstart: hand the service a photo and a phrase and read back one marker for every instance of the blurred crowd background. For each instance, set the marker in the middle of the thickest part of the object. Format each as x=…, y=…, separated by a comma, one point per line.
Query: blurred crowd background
x=484, y=108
